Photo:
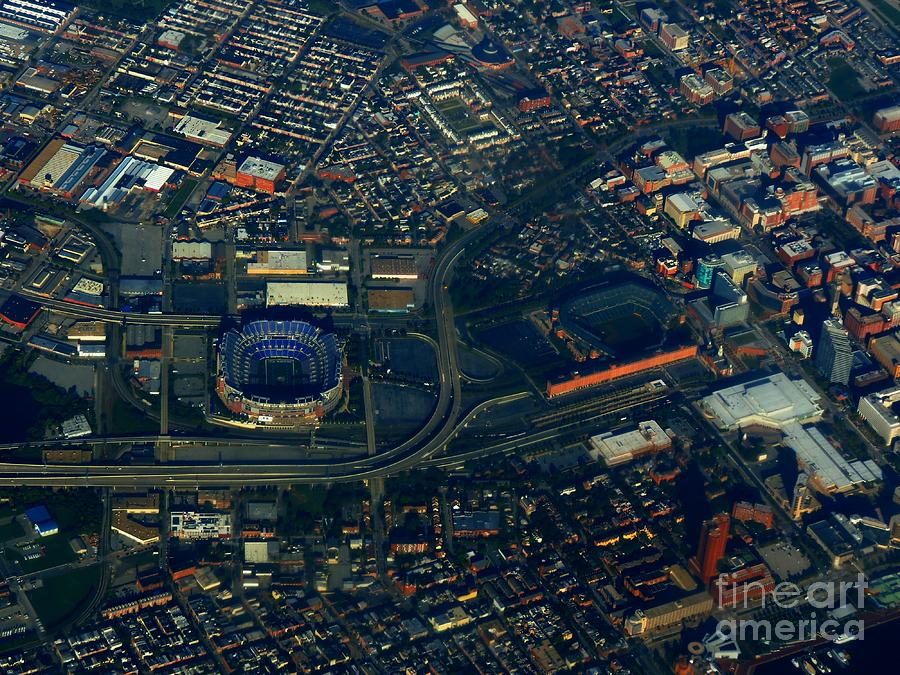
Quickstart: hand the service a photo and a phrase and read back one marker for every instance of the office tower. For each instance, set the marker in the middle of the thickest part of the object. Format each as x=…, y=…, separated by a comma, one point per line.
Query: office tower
x=834, y=355
x=713, y=539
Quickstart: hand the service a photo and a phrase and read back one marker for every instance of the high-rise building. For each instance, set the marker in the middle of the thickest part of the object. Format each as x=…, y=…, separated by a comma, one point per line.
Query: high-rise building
x=834, y=355
x=713, y=539
x=706, y=270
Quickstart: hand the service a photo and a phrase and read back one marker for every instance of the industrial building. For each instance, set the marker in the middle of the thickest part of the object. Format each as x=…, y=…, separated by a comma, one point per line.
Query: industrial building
x=201, y=130
x=62, y=167
x=394, y=267
x=131, y=174
x=333, y=260
x=76, y=427
x=18, y=311
x=392, y=300
x=285, y=262
x=39, y=517
x=46, y=16
x=191, y=250
x=829, y=472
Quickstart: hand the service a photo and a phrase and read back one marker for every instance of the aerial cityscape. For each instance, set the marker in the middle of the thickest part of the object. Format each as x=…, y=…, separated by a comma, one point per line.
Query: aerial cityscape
x=420, y=336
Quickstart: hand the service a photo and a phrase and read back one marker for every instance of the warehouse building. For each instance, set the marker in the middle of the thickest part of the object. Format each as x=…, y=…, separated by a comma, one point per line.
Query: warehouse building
x=131, y=174
x=286, y=262
x=19, y=312
x=41, y=521
x=827, y=469
x=62, y=167
x=391, y=300
x=47, y=16
x=308, y=293
x=394, y=267
x=191, y=250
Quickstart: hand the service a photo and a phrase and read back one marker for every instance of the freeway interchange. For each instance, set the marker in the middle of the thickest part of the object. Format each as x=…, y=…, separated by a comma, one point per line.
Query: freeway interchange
x=431, y=439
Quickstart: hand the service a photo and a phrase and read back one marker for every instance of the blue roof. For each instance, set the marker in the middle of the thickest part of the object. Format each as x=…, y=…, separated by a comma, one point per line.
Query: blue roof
x=38, y=514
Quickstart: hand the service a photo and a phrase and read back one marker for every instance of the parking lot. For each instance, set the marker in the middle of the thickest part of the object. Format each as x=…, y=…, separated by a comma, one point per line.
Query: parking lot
x=785, y=560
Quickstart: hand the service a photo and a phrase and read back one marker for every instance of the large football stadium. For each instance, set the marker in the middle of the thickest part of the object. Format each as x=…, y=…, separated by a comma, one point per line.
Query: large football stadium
x=280, y=373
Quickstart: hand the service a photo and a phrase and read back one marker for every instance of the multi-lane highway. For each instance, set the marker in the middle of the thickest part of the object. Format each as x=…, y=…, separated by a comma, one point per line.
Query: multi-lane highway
x=114, y=316
x=431, y=438
x=177, y=475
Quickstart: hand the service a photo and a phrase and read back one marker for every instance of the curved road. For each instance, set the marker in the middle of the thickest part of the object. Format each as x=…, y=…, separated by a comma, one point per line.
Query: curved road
x=173, y=475
x=430, y=439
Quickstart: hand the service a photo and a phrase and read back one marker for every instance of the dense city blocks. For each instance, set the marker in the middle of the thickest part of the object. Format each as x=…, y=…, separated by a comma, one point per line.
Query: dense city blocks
x=426, y=336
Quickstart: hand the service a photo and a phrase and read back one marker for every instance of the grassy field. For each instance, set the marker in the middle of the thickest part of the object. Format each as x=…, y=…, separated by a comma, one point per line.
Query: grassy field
x=458, y=115
x=322, y=7
x=887, y=12
x=690, y=143
x=61, y=597
x=179, y=198
x=12, y=530
x=127, y=419
x=843, y=80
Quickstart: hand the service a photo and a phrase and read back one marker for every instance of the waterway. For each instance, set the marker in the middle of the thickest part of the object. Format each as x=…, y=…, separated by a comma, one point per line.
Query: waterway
x=871, y=656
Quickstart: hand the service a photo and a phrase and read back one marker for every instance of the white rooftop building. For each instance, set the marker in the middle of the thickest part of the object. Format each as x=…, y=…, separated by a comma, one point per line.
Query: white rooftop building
x=131, y=174
x=203, y=131
x=309, y=293
x=623, y=448
x=76, y=427
x=878, y=410
x=191, y=250
x=773, y=401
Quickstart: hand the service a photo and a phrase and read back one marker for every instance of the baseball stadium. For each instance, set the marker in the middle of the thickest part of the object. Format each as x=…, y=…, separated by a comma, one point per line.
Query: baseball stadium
x=279, y=373
x=621, y=328
x=617, y=320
